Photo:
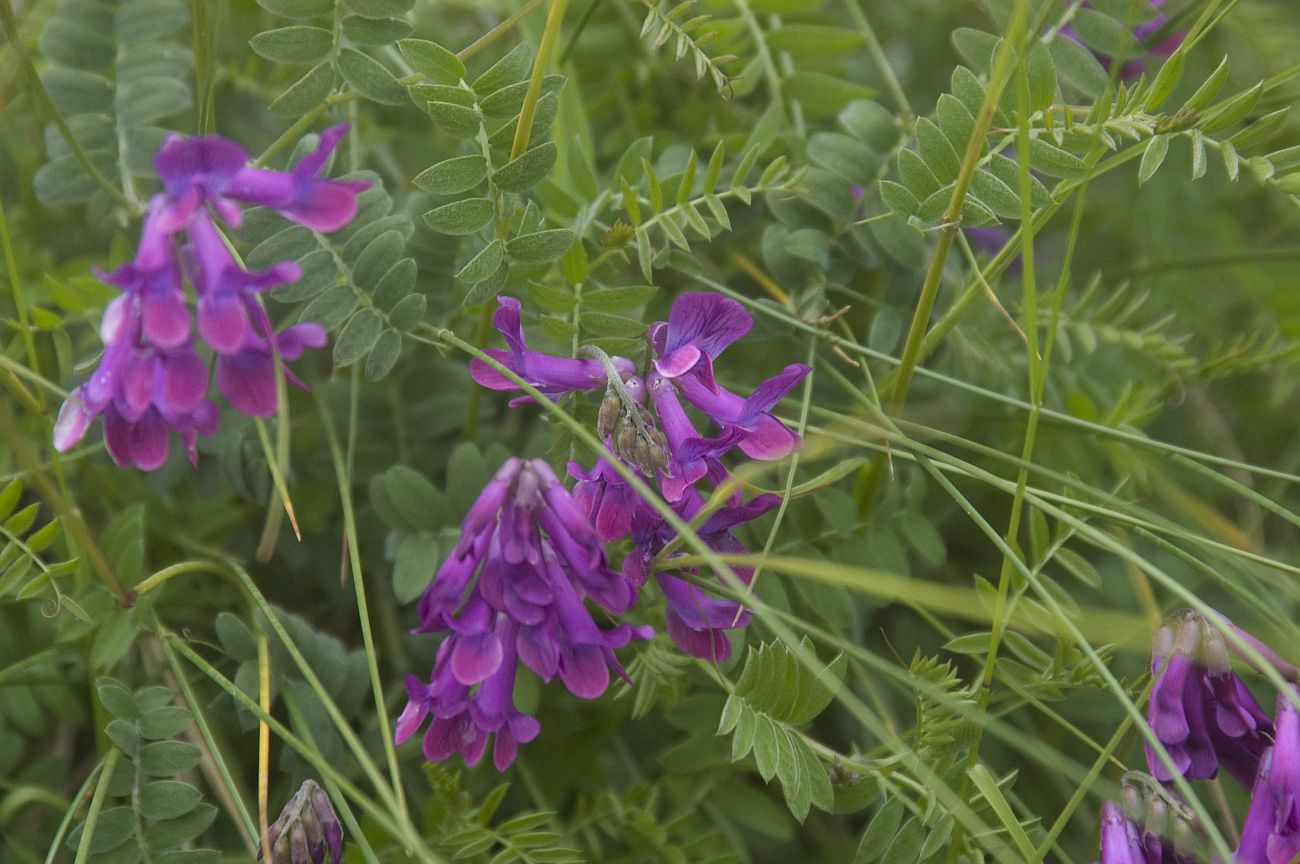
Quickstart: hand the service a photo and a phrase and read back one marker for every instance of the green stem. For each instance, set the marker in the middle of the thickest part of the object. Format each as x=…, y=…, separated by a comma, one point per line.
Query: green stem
x=956, y=204
x=524, y=129
x=173, y=644
x=363, y=610
x=878, y=55
x=247, y=824
x=101, y=787
x=70, y=813
x=20, y=301
x=313, y=680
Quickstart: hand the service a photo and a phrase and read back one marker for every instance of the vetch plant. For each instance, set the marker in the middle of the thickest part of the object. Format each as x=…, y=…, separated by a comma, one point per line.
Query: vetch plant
x=768, y=430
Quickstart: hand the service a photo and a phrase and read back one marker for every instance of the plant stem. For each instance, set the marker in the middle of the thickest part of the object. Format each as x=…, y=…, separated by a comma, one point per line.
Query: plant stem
x=951, y=224
x=20, y=301
x=363, y=610
x=524, y=129
x=101, y=788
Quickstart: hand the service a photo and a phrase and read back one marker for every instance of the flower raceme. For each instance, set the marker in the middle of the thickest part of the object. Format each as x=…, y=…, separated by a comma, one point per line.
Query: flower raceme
x=510, y=592
x=151, y=379
x=1200, y=709
x=306, y=830
x=684, y=349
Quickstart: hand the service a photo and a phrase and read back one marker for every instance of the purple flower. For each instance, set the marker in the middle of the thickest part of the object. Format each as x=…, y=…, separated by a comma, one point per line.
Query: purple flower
x=306, y=829
x=1200, y=709
x=696, y=621
x=1271, y=832
x=228, y=310
x=699, y=327
x=606, y=497
x=247, y=377
x=150, y=378
x=212, y=170
x=513, y=590
x=552, y=375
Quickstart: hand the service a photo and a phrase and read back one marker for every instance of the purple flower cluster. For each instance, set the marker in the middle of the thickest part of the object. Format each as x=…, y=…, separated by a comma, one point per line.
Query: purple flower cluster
x=151, y=379
x=1150, y=828
x=531, y=553
x=673, y=452
x=1205, y=718
x=512, y=592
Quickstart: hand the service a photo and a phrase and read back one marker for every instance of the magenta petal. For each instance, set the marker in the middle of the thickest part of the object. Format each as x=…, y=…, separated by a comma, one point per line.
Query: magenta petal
x=223, y=323
x=208, y=161
x=679, y=362
x=583, y=671
x=147, y=440
x=117, y=436
x=248, y=380
x=707, y=320
x=119, y=319
x=166, y=318
x=409, y=722
x=769, y=440
x=772, y=391
x=292, y=341
x=184, y=382
x=705, y=644
x=138, y=378
x=326, y=205
x=74, y=420
x=475, y=658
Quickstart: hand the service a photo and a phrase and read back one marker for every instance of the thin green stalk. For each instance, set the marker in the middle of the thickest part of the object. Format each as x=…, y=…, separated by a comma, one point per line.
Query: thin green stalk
x=204, y=79
x=42, y=99
x=101, y=787
x=313, y=680
x=765, y=61
x=1034, y=363
x=20, y=300
x=288, y=136
x=878, y=57
x=498, y=31
x=71, y=516
x=40, y=380
x=71, y=812
x=524, y=129
x=951, y=223
x=1060, y=417
x=382, y=818
x=789, y=477
x=247, y=824
x=363, y=611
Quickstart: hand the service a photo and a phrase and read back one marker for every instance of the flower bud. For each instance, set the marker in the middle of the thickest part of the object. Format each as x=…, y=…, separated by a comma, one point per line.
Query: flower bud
x=306, y=829
x=607, y=419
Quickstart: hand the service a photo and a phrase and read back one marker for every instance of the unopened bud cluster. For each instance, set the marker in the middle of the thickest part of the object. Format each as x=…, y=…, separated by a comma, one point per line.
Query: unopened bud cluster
x=307, y=828
x=631, y=431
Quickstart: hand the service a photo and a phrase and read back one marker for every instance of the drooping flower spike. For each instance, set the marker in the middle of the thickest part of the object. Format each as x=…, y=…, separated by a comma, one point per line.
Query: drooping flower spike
x=1200, y=709
x=512, y=591
x=151, y=379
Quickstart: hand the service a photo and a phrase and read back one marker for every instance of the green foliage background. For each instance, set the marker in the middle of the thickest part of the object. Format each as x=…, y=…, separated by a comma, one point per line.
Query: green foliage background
x=1016, y=458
